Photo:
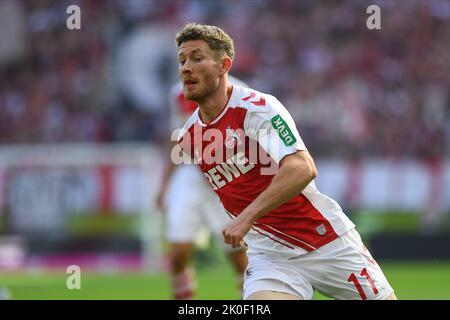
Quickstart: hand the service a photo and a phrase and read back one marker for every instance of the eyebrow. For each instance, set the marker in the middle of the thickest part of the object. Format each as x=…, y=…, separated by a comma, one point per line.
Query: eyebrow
x=192, y=52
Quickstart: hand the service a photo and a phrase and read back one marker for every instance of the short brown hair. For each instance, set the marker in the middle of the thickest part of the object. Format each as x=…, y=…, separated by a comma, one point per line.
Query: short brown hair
x=215, y=37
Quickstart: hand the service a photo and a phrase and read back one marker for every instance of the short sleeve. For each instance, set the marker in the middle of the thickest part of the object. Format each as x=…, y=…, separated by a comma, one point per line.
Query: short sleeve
x=274, y=129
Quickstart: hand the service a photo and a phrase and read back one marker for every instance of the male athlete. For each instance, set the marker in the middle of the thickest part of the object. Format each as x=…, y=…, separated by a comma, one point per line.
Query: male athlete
x=191, y=207
x=298, y=239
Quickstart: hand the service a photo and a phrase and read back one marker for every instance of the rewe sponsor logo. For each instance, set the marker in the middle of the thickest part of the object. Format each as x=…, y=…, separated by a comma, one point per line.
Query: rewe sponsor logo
x=222, y=174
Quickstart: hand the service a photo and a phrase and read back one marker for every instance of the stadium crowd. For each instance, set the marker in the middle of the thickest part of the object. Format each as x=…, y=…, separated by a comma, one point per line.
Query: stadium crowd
x=352, y=91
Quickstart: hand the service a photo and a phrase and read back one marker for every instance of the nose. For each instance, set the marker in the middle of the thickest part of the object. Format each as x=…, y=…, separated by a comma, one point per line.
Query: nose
x=186, y=68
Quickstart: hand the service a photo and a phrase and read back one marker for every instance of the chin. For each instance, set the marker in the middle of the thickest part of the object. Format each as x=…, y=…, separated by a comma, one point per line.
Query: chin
x=191, y=96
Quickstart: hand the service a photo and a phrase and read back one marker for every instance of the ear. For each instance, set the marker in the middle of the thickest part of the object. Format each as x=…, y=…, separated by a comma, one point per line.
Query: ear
x=225, y=64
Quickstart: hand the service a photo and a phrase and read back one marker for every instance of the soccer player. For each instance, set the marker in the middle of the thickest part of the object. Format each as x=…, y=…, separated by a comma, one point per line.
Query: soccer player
x=247, y=145
x=191, y=208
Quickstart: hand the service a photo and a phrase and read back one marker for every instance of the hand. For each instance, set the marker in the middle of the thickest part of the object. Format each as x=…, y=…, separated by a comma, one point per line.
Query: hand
x=234, y=232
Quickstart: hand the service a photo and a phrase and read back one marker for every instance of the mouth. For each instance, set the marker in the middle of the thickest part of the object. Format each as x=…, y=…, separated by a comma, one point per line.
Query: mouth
x=190, y=83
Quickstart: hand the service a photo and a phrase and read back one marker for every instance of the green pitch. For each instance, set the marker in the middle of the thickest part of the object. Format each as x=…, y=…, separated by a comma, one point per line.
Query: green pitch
x=410, y=280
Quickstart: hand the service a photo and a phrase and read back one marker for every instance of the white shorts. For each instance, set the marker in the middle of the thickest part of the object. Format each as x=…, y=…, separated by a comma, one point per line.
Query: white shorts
x=342, y=269
x=192, y=207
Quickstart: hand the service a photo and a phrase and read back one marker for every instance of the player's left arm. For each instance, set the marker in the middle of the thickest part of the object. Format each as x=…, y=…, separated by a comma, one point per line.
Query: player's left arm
x=276, y=132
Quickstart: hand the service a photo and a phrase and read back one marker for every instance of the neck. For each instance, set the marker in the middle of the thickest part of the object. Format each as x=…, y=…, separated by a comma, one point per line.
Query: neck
x=214, y=103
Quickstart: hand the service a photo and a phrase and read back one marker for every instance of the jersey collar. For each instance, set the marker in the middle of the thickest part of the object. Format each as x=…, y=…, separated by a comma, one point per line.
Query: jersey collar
x=221, y=113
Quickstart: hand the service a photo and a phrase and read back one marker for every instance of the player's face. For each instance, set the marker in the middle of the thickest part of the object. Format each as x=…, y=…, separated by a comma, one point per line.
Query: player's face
x=199, y=70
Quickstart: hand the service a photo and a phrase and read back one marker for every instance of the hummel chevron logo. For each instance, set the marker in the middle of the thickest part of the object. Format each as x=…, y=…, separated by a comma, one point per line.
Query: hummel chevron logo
x=261, y=101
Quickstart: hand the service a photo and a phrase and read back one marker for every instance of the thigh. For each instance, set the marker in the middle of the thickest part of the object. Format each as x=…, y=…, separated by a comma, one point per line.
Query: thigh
x=272, y=295
x=345, y=270
x=265, y=274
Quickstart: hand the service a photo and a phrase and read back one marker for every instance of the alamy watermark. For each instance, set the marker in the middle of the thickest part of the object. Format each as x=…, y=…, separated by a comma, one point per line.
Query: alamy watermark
x=74, y=279
x=374, y=20
x=73, y=21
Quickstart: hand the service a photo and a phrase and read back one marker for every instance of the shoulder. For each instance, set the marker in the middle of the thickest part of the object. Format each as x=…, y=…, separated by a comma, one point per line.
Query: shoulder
x=255, y=101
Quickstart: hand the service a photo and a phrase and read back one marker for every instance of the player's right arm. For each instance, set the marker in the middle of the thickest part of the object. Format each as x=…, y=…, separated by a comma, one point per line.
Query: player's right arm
x=295, y=172
x=168, y=172
x=274, y=129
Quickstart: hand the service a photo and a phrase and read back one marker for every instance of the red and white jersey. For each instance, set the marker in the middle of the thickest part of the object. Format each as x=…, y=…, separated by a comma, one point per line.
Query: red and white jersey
x=239, y=151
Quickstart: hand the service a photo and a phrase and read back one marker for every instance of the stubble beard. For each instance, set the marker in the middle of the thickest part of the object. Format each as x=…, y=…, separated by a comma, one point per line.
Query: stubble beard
x=201, y=96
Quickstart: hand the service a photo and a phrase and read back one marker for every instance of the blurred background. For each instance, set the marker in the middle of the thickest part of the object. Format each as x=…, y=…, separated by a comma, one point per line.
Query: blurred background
x=84, y=129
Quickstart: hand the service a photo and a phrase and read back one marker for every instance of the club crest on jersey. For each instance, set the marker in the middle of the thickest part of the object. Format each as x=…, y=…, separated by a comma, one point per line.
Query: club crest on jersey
x=321, y=229
x=232, y=138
